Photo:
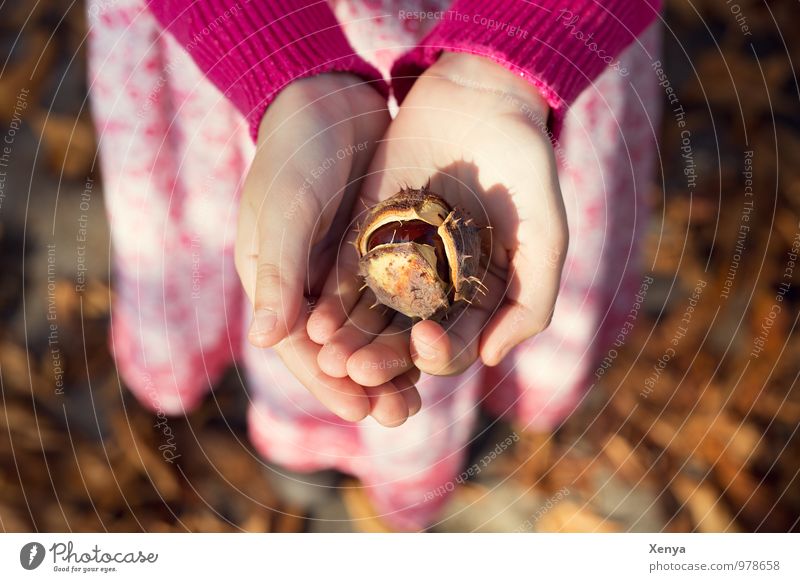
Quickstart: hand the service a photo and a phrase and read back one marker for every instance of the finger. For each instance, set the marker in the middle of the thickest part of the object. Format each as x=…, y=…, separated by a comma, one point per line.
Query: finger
x=364, y=322
x=284, y=243
x=441, y=352
x=389, y=407
x=340, y=294
x=527, y=309
x=245, y=254
x=450, y=347
x=406, y=385
x=295, y=208
x=341, y=396
x=386, y=357
x=512, y=325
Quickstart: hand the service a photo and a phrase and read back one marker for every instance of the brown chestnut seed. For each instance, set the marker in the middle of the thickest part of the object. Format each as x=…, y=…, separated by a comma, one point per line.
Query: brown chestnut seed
x=418, y=255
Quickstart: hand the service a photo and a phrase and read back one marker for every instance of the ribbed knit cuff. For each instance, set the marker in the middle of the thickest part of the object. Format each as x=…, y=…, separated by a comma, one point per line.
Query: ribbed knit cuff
x=558, y=46
x=251, y=49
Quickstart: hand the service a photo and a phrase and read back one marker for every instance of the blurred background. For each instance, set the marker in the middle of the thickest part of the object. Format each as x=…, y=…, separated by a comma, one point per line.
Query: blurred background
x=715, y=448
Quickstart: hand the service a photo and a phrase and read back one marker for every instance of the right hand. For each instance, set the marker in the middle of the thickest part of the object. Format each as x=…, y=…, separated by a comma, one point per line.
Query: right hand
x=315, y=142
x=473, y=130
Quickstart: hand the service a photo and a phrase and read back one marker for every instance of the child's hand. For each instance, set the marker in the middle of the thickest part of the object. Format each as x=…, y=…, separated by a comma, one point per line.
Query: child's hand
x=477, y=130
x=315, y=143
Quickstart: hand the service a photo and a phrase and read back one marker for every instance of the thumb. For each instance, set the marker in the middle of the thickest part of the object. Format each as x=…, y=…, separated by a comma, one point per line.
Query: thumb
x=288, y=205
x=286, y=228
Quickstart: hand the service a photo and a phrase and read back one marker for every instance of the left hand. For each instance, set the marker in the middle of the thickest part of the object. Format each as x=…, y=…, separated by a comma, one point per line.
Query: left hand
x=315, y=143
x=476, y=131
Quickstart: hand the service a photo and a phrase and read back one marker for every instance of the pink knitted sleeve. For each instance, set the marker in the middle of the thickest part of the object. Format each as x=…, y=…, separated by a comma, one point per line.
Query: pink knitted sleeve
x=560, y=46
x=251, y=49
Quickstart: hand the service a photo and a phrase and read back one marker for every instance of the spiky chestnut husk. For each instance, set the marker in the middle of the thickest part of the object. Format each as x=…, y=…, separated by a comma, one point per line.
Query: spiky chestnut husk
x=418, y=255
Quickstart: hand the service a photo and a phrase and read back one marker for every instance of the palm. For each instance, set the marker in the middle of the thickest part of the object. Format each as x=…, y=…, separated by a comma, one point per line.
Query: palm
x=484, y=155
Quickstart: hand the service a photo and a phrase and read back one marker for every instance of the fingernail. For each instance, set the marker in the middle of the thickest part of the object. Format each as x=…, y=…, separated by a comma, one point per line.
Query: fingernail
x=264, y=322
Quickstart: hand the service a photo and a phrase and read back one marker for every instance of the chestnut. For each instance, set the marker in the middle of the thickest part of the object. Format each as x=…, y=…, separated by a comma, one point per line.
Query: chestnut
x=418, y=255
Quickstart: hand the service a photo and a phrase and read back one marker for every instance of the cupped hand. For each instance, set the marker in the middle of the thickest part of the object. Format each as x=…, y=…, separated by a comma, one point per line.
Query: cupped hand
x=314, y=144
x=477, y=133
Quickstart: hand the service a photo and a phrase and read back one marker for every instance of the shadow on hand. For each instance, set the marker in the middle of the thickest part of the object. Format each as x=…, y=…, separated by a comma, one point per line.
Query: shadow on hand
x=492, y=209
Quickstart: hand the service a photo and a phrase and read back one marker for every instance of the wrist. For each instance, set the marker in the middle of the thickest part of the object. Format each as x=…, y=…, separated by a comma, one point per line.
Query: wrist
x=331, y=96
x=484, y=74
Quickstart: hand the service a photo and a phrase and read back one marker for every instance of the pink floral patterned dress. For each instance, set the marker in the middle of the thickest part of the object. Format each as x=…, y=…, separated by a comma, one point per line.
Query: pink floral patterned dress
x=174, y=153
